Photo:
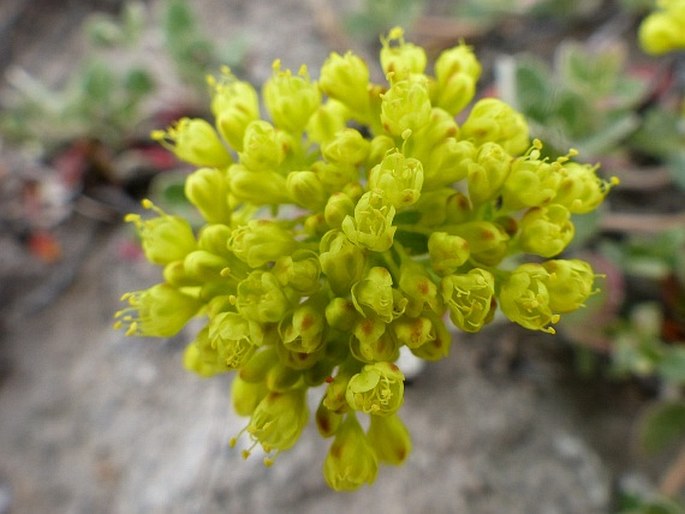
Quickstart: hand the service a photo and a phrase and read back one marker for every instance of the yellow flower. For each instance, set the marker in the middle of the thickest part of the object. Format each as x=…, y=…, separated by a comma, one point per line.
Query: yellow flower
x=351, y=461
x=160, y=311
x=194, y=141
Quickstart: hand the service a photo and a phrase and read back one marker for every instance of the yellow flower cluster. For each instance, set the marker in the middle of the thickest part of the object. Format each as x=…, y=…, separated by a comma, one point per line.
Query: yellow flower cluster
x=352, y=223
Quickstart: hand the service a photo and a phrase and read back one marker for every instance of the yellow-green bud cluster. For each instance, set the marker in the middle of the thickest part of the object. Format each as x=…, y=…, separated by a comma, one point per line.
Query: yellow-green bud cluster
x=353, y=222
x=664, y=29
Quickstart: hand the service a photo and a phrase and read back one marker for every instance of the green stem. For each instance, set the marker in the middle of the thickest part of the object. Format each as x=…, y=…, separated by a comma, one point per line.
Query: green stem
x=390, y=262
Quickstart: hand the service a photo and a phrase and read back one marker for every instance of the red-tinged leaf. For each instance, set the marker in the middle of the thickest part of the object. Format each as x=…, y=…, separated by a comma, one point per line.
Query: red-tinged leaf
x=159, y=158
x=45, y=247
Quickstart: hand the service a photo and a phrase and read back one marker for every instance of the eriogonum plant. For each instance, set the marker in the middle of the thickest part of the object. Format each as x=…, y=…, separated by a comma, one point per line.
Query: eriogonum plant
x=350, y=223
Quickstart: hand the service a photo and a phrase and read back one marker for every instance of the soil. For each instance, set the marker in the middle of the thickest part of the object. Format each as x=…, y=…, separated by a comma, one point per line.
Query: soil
x=94, y=422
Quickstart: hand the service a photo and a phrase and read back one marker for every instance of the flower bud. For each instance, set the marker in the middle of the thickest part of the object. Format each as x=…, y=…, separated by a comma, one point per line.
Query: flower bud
x=301, y=272
x=306, y=189
x=194, y=141
x=377, y=389
x=260, y=242
x=371, y=227
x=469, y=298
x=447, y=252
x=532, y=182
x=327, y=421
x=214, y=239
x=234, y=106
x=304, y=331
x=437, y=347
x=525, y=299
x=456, y=73
x=160, y=311
x=495, y=121
x=258, y=188
x=447, y=163
x=207, y=189
x=327, y=121
x=341, y=314
x=663, y=31
x=569, y=284
x=487, y=173
x=400, y=59
x=580, y=189
x=418, y=288
x=279, y=419
x=348, y=146
x=282, y=378
x=300, y=361
x=413, y=332
x=199, y=356
x=261, y=299
x=230, y=334
x=373, y=296
x=254, y=370
x=488, y=242
x=390, y=439
x=399, y=178
x=351, y=461
x=341, y=261
x=406, y=106
x=546, y=231
x=346, y=79
x=338, y=207
x=175, y=275
x=263, y=147
x=315, y=225
x=335, y=176
x=334, y=398
x=290, y=100
x=379, y=146
x=371, y=342
x=245, y=396
x=204, y=266
x=165, y=238
x=458, y=209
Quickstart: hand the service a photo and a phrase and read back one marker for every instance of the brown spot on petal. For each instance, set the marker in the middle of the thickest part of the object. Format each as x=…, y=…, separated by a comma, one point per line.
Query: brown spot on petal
x=336, y=451
x=423, y=287
x=307, y=322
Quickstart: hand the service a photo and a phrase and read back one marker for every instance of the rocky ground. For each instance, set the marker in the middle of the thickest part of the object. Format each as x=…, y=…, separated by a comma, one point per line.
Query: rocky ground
x=93, y=422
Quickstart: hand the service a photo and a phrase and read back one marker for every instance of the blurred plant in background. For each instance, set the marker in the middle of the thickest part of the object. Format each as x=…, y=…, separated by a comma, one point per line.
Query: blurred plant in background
x=633, y=119
x=98, y=99
x=109, y=94
x=586, y=100
x=375, y=17
x=90, y=134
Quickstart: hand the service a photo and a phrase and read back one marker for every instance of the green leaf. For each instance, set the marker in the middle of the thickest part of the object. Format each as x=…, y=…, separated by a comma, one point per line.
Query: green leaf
x=98, y=82
x=662, y=425
x=178, y=18
x=672, y=366
x=611, y=134
x=577, y=113
x=139, y=82
x=676, y=166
